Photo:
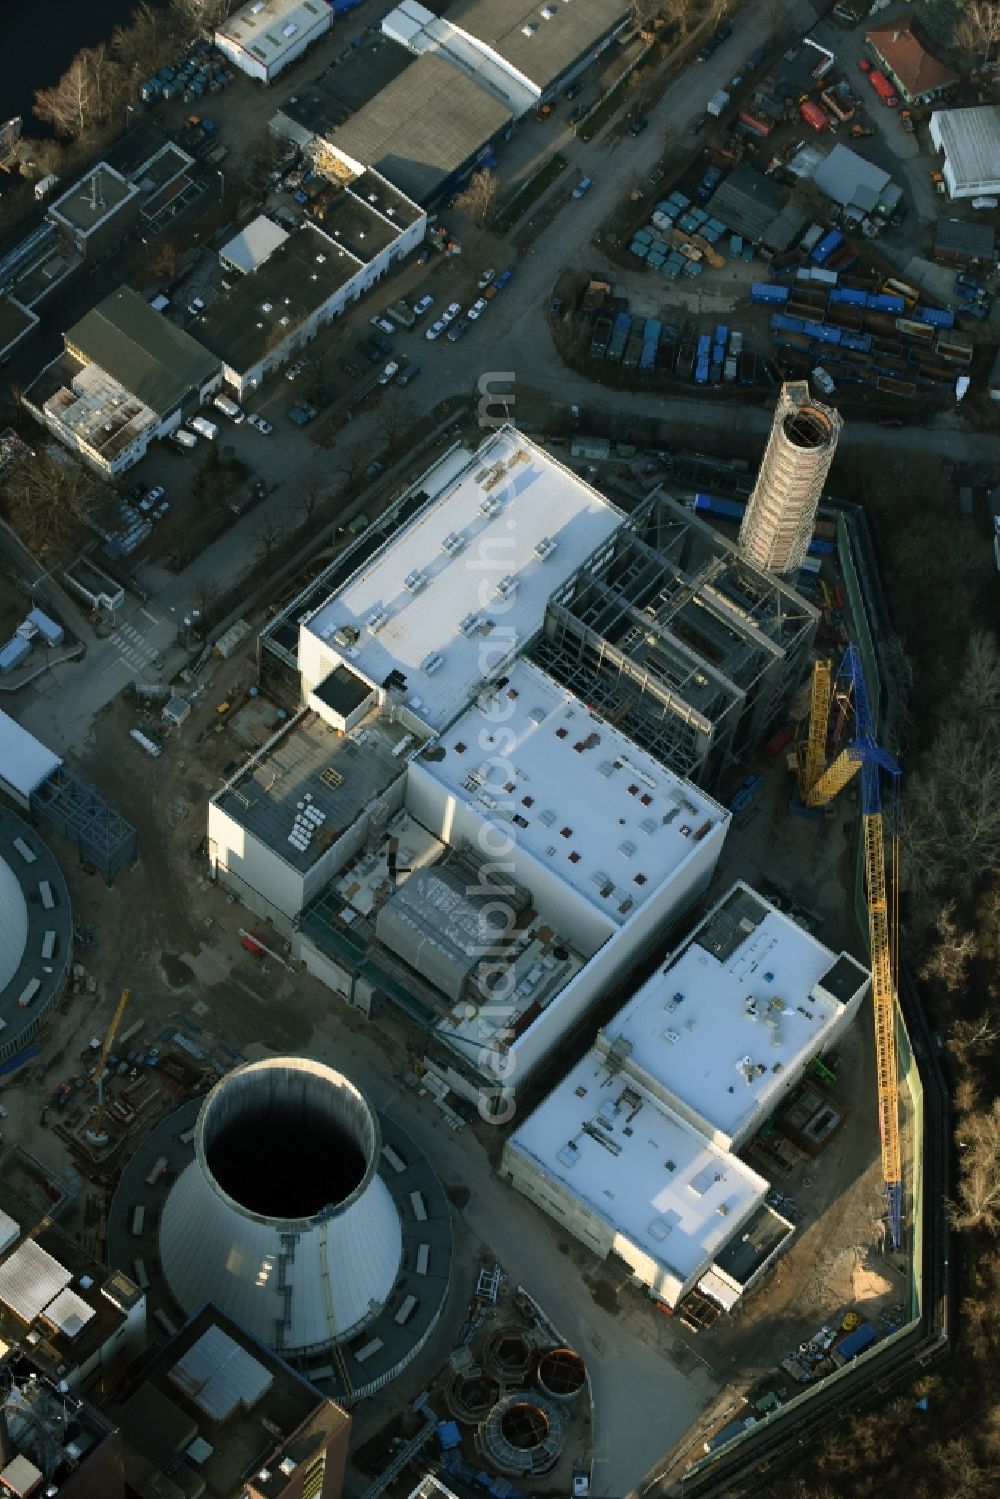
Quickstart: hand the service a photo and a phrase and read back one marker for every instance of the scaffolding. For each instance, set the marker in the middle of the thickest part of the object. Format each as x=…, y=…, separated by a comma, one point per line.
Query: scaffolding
x=673, y=637
x=781, y=511
x=103, y=839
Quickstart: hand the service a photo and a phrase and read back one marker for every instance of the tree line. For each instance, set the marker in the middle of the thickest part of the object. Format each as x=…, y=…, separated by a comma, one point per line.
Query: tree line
x=102, y=80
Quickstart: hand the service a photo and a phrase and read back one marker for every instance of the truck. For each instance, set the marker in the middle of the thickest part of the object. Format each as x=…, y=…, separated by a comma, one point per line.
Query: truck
x=204, y=427
x=885, y=90
x=228, y=408
x=183, y=438
x=718, y=104
x=402, y=314
x=813, y=116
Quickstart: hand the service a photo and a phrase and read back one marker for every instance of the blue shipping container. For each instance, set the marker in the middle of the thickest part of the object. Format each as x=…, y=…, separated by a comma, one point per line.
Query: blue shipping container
x=938, y=317
x=856, y=1342
x=721, y=334
x=822, y=548
x=710, y=503
x=768, y=291
x=704, y=345
x=883, y=302
x=822, y=333
x=701, y=373
x=849, y=295
x=826, y=247
x=786, y=324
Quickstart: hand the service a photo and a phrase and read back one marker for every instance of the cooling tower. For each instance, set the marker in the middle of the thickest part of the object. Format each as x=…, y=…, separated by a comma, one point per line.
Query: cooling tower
x=282, y=1219
x=781, y=512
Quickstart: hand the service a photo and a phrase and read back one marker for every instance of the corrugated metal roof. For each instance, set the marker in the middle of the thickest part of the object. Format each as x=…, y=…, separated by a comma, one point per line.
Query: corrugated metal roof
x=10, y=1231
x=960, y=237
x=218, y=1375
x=851, y=180
x=970, y=139
x=29, y=1279
x=24, y=760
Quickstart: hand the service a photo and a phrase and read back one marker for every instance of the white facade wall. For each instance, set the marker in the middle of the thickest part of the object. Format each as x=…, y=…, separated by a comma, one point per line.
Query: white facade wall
x=248, y=62
x=243, y=382
x=233, y=849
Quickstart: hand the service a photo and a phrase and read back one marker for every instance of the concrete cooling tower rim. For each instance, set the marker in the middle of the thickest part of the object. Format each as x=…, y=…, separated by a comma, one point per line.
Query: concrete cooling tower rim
x=254, y=1083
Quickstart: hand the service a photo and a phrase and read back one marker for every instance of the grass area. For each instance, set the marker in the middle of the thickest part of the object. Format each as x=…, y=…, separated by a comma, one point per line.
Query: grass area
x=598, y=118
x=529, y=193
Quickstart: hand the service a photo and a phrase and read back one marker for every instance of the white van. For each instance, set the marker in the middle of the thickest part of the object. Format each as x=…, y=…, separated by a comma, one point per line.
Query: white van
x=204, y=427
x=228, y=408
x=184, y=438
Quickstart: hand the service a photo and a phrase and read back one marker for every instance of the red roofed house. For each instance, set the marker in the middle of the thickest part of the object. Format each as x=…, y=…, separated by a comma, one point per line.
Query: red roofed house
x=900, y=47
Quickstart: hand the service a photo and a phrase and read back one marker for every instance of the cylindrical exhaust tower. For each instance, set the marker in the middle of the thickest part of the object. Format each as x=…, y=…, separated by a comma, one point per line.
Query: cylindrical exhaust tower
x=282, y=1218
x=781, y=512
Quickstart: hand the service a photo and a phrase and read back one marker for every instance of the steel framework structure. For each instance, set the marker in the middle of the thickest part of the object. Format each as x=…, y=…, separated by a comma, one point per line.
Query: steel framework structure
x=77, y=812
x=671, y=635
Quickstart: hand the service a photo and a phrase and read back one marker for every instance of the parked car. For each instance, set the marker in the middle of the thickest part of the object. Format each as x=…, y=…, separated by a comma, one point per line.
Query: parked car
x=477, y=309
x=261, y=423
x=424, y=305
x=436, y=329
x=637, y=124
x=457, y=330
x=706, y=187
x=382, y=324
x=583, y=186
x=755, y=59
x=451, y=312
x=485, y=279
x=195, y=306
x=573, y=91
x=503, y=278
x=715, y=41
x=294, y=370
x=302, y=415
x=162, y=510
x=373, y=470
x=370, y=350
x=424, y=255
x=382, y=344
x=389, y=373
x=544, y=110
x=408, y=373
x=577, y=114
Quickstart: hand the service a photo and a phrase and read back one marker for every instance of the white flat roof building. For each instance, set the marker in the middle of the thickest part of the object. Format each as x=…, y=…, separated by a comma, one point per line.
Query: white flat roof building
x=626, y=1175
x=576, y=794
x=24, y=761
x=264, y=36
x=464, y=586
x=731, y=1021
x=970, y=140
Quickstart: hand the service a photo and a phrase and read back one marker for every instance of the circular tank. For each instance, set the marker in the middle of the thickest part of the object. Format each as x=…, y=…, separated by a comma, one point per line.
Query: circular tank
x=523, y=1434
x=561, y=1374
x=508, y=1353
x=282, y=1218
x=471, y=1394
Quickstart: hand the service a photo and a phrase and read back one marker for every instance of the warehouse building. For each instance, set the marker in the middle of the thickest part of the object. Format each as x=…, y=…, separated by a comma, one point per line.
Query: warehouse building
x=962, y=242
x=295, y=283
x=387, y=777
x=692, y=1066
x=969, y=140
x=264, y=36
x=98, y=211
x=857, y=185
x=754, y=206
x=424, y=131
x=126, y=377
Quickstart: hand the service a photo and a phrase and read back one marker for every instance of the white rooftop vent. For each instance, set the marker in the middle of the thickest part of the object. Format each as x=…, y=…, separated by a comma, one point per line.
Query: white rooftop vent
x=415, y=581
x=548, y=11
x=430, y=664
x=321, y=260
x=257, y=7
x=536, y=715
x=490, y=505
x=506, y=586
x=530, y=29
x=469, y=625
x=453, y=543
x=544, y=547
x=291, y=28
x=266, y=307
x=377, y=620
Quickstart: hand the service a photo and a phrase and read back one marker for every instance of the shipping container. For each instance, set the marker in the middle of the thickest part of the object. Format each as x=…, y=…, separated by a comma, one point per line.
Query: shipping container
x=885, y=302
x=748, y=367
x=14, y=653
x=701, y=372
x=856, y=1342
x=939, y=317
x=50, y=632
x=138, y=1217
x=849, y=295
x=769, y=292
x=710, y=504
x=826, y=247
x=909, y=294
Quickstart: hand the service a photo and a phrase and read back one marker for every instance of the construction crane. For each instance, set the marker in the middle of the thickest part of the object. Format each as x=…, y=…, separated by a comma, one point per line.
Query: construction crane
x=94, y=1134
x=819, y=784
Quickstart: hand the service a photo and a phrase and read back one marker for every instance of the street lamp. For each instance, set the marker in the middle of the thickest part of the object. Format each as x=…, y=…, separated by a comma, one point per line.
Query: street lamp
x=129, y=109
x=222, y=183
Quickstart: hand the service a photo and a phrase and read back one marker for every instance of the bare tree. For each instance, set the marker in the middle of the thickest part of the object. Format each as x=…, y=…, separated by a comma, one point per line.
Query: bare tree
x=266, y=536
x=163, y=262
x=205, y=597
x=978, y=27
x=479, y=198
x=310, y=496
x=48, y=500
x=951, y=955
x=394, y=421
x=92, y=86
x=978, y=1204
x=192, y=17
x=146, y=41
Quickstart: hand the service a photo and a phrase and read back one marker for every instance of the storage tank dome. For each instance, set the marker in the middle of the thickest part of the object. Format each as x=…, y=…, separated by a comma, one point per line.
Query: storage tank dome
x=282, y=1218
